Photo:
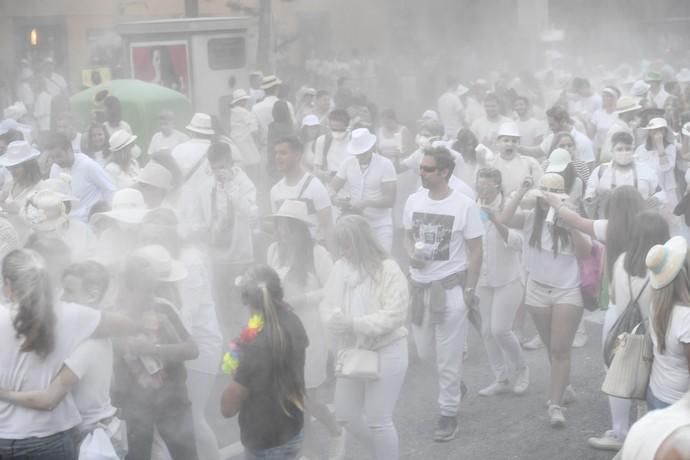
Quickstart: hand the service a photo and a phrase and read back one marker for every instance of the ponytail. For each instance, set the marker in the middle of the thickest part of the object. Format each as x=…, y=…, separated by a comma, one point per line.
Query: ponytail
x=32, y=292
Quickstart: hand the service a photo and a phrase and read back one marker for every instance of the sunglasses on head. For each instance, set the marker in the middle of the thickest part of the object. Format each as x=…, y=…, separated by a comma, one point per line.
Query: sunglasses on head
x=428, y=169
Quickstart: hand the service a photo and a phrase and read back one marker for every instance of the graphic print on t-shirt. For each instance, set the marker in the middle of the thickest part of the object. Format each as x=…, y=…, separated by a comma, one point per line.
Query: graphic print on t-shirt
x=434, y=230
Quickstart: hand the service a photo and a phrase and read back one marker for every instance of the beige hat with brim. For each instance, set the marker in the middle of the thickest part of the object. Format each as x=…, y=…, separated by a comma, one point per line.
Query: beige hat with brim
x=45, y=211
x=665, y=261
x=627, y=104
x=18, y=152
x=155, y=175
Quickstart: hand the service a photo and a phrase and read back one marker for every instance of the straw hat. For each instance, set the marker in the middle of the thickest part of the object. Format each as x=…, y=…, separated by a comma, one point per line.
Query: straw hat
x=18, y=152
x=128, y=207
x=558, y=161
x=155, y=175
x=60, y=186
x=552, y=182
x=270, y=81
x=508, y=129
x=201, y=124
x=121, y=139
x=665, y=261
x=239, y=95
x=362, y=141
x=627, y=104
x=165, y=267
x=294, y=209
x=45, y=211
x=311, y=120
x=656, y=123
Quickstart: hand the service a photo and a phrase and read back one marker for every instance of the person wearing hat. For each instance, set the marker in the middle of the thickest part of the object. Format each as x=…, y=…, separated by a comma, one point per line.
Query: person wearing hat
x=155, y=183
x=657, y=95
x=121, y=166
x=244, y=132
x=443, y=237
x=264, y=108
x=304, y=267
x=330, y=149
x=190, y=156
x=149, y=385
x=310, y=130
x=370, y=180
x=559, y=120
x=113, y=115
x=89, y=181
x=553, y=297
x=628, y=118
x=297, y=184
x=603, y=119
x=658, y=154
x=256, y=94
x=167, y=137
x=21, y=160
x=450, y=107
x=669, y=324
x=486, y=127
x=513, y=166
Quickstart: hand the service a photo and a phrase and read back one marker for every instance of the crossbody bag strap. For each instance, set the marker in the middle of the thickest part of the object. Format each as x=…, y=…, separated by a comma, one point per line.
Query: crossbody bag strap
x=307, y=181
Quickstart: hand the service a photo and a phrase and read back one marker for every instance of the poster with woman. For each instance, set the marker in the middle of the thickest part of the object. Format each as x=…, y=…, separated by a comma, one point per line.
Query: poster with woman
x=163, y=63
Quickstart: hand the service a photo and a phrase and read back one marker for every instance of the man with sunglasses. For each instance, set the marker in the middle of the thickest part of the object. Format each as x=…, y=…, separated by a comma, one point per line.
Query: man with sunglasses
x=443, y=237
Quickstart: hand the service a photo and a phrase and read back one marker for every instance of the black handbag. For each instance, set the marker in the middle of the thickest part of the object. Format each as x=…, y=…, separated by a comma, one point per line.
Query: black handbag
x=626, y=322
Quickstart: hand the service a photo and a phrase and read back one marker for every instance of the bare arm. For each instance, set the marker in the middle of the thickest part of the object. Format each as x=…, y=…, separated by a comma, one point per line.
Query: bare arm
x=582, y=245
x=47, y=399
x=115, y=325
x=336, y=184
x=474, y=261
x=231, y=400
x=568, y=216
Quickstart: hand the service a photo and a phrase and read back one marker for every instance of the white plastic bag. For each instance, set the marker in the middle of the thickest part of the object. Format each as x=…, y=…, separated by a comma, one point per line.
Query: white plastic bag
x=97, y=446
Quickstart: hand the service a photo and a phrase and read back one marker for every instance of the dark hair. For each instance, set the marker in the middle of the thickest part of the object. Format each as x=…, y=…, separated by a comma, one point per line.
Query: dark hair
x=559, y=113
x=493, y=174
x=91, y=274
x=89, y=148
x=219, y=151
x=29, y=280
x=339, y=115
x=298, y=252
x=281, y=112
x=558, y=234
x=32, y=171
x=113, y=110
x=557, y=139
x=466, y=136
x=627, y=202
x=650, y=229
x=261, y=290
x=622, y=137
x=444, y=159
x=57, y=141
x=389, y=114
x=569, y=176
x=293, y=142
x=321, y=93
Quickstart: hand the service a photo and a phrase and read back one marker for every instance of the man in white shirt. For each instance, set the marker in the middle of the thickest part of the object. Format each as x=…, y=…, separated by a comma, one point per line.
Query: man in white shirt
x=451, y=109
x=603, y=118
x=330, y=149
x=657, y=95
x=532, y=131
x=370, y=184
x=168, y=137
x=513, y=166
x=486, y=127
x=443, y=237
x=560, y=121
x=90, y=183
x=264, y=108
x=586, y=101
x=297, y=184
x=65, y=124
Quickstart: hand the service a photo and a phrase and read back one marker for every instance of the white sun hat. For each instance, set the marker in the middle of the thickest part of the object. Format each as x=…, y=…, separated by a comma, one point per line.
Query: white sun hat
x=201, y=124
x=270, y=81
x=627, y=104
x=362, y=141
x=239, y=95
x=156, y=175
x=121, y=139
x=128, y=207
x=18, y=152
x=639, y=88
x=665, y=261
x=656, y=123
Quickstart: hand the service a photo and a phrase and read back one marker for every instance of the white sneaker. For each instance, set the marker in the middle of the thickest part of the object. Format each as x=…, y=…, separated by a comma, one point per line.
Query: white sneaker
x=534, y=344
x=580, y=338
x=496, y=388
x=336, y=446
x=521, y=381
x=569, y=396
x=611, y=440
x=556, y=418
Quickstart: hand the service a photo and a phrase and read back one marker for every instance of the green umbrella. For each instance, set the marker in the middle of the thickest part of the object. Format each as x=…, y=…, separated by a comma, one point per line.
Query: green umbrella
x=141, y=103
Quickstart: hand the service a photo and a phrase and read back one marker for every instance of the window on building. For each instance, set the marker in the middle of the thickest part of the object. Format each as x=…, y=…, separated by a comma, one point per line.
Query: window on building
x=226, y=53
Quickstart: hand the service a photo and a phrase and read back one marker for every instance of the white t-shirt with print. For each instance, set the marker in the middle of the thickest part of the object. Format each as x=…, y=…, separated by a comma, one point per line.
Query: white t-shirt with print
x=314, y=195
x=92, y=363
x=443, y=226
x=670, y=379
x=367, y=184
x=21, y=371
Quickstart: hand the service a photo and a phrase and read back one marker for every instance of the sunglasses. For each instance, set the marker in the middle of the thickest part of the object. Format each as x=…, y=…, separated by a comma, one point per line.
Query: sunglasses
x=428, y=169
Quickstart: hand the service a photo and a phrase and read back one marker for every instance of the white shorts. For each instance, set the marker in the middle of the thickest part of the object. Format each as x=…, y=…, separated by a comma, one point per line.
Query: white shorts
x=543, y=296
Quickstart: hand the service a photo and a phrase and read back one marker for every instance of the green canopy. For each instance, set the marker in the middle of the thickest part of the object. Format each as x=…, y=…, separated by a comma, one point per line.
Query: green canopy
x=141, y=103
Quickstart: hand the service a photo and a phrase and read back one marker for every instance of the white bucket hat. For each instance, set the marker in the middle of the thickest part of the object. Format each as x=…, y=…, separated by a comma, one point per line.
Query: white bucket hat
x=155, y=175
x=201, y=124
x=361, y=142
x=121, y=139
x=239, y=95
x=665, y=261
x=294, y=209
x=461, y=90
x=165, y=267
x=430, y=115
x=128, y=207
x=509, y=129
x=270, y=81
x=627, y=104
x=311, y=120
x=15, y=111
x=18, y=152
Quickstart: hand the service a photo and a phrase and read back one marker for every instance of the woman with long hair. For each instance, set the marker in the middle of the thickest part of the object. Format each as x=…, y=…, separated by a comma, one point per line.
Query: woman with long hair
x=565, y=140
x=365, y=306
x=669, y=324
x=121, y=165
x=96, y=145
x=500, y=290
x=553, y=295
x=267, y=361
x=21, y=160
x=630, y=281
x=304, y=268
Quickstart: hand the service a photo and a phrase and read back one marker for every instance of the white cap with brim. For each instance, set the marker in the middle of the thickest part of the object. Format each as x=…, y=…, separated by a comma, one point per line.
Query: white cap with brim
x=270, y=81
x=18, y=152
x=508, y=129
x=665, y=261
x=362, y=141
x=558, y=161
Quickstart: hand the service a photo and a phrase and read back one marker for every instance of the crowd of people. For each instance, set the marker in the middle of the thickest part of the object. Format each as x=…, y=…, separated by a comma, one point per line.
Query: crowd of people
x=326, y=234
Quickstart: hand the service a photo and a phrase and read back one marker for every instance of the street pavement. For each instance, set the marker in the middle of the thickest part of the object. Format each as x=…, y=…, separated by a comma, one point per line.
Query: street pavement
x=504, y=427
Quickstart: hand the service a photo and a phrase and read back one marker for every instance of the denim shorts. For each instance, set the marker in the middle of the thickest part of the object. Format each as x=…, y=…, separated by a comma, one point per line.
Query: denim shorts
x=287, y=451
x=59, y=446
